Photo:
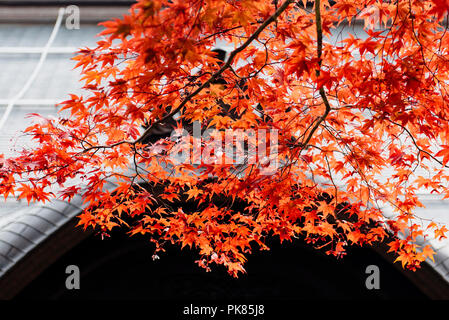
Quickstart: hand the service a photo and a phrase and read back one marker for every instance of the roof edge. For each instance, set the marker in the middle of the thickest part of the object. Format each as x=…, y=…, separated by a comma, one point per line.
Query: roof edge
x=25, y=270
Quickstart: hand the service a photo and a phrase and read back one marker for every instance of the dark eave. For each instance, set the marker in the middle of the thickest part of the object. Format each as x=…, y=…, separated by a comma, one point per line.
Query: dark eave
x=37, y=236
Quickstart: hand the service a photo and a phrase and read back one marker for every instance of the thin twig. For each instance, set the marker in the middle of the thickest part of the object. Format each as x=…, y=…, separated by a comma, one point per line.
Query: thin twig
x=225, y=66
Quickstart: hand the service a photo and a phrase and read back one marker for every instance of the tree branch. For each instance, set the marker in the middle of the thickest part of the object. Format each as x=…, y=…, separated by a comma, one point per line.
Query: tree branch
x=319, y=33
x=225, y=66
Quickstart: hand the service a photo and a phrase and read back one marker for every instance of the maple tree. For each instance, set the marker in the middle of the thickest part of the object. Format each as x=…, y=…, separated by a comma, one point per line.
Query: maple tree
x=356, y=121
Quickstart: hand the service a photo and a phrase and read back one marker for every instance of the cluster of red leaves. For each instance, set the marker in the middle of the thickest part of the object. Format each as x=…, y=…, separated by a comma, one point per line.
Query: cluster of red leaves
x=346, y=112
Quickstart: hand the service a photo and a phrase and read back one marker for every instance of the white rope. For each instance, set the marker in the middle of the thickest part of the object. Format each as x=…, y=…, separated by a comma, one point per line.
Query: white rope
x=36, y=69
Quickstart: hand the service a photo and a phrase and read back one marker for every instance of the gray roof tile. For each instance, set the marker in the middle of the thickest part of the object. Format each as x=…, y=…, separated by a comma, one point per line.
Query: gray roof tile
x=19, y=241
x=9, y=251
x=5, y=247
x=62, y=207
x=4, y=261
x=37, y=222
x=25, y=230
x=53, y=216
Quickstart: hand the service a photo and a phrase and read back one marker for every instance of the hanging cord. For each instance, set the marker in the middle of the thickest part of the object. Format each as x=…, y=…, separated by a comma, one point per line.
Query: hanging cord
x=36, y=69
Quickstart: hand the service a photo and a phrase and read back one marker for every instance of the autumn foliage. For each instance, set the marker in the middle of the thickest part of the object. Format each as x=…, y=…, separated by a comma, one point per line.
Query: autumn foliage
x=362, y=122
